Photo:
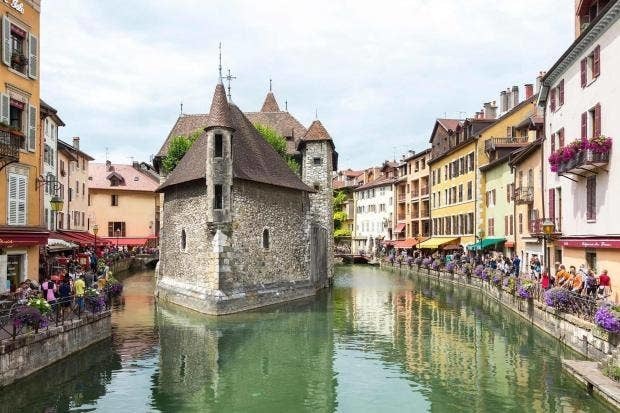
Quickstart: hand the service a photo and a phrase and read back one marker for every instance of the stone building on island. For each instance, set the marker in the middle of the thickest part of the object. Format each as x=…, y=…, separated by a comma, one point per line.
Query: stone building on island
x=240, y=229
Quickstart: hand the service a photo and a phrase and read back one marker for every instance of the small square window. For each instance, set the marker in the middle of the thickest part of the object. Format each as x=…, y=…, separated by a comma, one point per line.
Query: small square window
x=317, y=161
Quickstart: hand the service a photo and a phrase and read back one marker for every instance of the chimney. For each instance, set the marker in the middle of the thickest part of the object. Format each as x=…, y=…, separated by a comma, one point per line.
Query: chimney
x=508, y=99
x=490, y=110
x=515, y=96
x=76, y=142
x=503, y=101
x=529, y=90
x=539, y=80
x=108, y=166
x=136, y=165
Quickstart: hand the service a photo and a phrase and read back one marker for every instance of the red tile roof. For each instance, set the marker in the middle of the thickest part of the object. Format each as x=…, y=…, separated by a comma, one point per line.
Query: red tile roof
x=270, y=104
x=219, y=115
x=133, y=179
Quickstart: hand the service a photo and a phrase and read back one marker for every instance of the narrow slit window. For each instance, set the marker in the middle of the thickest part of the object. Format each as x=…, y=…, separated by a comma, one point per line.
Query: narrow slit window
x=266, y=238
x=218, y=200
x=183, y=240
x=218, y=153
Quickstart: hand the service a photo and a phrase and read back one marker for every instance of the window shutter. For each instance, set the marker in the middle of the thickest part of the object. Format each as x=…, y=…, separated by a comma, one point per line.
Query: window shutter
x=584, y=72
x=33, y=62
x=6, y=41
x=561, y=138
x=561, y=92
x=12, y=205
x=552, y=100
x=508, y=193
x=32, y=127
x=597, y=120
x=584, y=125
x=596, y=62
x=505, y=224
x=552, y=142
x=591, y=197
x=494, y=196
x=5, y=108
x=552, y=203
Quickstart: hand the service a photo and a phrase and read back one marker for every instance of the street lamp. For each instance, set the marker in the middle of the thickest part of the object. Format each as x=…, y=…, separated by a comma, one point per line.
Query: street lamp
x=118, y=234
x=56, y=203
x=95, y=231
x=547, y=226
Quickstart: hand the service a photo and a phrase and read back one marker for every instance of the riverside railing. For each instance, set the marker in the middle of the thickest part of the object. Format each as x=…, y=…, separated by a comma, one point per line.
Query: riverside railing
x=21, y=319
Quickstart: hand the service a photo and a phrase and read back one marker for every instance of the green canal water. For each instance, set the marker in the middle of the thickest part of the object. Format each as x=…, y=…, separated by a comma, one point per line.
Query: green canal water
x=377, y=342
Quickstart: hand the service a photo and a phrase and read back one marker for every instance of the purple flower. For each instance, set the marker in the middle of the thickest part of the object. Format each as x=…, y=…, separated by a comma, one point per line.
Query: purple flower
x=450, y=266
x=114, y=289
x=559, y=298
x=28, y=316
x=524, y=292
x=478, y=271
x=426, y=262
x=497, y=280
x=607, y=319
x=418, y=261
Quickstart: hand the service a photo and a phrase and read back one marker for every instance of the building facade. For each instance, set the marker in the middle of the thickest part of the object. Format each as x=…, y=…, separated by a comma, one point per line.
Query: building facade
x=21, y=167
x=580, y=102
x=50, y=122
x=122, y=202
x=73, y=179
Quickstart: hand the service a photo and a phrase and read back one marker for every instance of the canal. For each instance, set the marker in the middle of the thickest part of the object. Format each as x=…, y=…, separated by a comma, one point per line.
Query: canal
x=377, y=341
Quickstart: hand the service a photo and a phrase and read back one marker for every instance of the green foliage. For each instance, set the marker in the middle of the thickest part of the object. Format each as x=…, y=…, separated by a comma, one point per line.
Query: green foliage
x=278, y=143
x=342, y=232
x=178, y=148
x=339, y=199
x=612, y=371
x=340, y=217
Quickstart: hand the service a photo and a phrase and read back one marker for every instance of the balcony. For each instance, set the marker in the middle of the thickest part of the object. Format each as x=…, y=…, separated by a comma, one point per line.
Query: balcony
x=402, y=198
x=492, y=144
x=535, y=226
x=415, y=192
x=10, y=143
x=424, y=191
x=584, y=164
x=524, y=195
x=425, y=213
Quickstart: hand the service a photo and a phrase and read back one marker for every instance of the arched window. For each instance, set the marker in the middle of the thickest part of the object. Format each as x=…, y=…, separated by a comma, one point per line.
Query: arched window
x=266, y=238
x=183, y=240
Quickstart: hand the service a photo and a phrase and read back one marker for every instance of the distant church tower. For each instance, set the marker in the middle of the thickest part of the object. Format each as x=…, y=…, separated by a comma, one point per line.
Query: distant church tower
x=318, y=161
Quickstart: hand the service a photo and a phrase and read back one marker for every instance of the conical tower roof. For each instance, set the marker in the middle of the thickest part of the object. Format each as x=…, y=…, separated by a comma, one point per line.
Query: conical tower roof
x=270, y=104
x=219, y=115
x=317, y=132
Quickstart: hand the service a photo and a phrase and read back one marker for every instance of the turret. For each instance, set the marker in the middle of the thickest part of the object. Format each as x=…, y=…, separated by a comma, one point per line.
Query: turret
x=219, y=173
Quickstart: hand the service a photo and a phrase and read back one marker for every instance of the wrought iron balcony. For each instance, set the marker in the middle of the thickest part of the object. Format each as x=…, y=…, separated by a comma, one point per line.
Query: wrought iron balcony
x=585, y=163
x=524, y=195
x=493, y=143
x=535, y=226
x=9, y=147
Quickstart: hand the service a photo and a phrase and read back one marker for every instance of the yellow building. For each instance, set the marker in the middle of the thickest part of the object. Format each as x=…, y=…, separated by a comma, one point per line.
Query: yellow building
x=515, y=129
x=454, y=173
x=73, y=175
x=21, y=163
x=123, y=203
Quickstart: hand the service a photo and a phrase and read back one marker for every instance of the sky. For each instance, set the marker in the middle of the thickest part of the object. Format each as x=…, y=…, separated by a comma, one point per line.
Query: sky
x=377, y=73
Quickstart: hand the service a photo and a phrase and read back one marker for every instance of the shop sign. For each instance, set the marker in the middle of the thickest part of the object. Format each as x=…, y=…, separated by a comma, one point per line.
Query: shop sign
x=16, y=4
x=22, y=241
x=591, y=243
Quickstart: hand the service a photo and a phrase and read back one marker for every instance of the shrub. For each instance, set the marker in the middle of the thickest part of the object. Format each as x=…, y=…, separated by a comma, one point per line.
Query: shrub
x=40, y=304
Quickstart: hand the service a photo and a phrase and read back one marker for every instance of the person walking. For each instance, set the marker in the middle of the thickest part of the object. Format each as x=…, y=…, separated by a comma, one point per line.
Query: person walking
x=604, y=284
x=64, y=293
x=49, y=290
x=591, y=284
x=544, y=280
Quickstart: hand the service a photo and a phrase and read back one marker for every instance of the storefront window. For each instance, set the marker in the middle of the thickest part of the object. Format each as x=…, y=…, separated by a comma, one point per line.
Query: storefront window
x=591, y=260
x=14, y=270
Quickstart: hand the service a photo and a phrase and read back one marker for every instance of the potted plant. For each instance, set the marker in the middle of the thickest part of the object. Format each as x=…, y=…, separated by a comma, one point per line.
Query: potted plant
x=607, y=320
x=558, y=298
x=40, y=304
x=525, y=290
x=28, y=316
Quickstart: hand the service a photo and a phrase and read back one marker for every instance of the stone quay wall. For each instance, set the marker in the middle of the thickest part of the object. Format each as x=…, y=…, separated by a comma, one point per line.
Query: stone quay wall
x=578, y=334
x=32, y=352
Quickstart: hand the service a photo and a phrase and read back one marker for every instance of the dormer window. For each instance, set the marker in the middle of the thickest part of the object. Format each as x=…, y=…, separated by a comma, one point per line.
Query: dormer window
x=114, y=181
x=219, y=147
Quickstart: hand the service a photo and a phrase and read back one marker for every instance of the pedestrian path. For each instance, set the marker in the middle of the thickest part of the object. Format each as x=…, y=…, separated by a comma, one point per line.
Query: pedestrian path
x=598, y=384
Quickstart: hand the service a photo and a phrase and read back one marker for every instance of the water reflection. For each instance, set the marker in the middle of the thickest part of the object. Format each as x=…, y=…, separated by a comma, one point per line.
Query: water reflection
x=378, y=341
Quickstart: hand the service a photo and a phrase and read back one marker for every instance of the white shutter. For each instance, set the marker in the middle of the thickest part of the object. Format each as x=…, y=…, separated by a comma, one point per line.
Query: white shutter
x=33, y=61
x=32, y=127
x=11, y=215
x=3, y=264
x=22, y=198
x=6, y=41
x=5, y=108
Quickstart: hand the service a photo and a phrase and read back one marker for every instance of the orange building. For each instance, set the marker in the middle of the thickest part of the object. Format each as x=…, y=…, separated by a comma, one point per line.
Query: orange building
x=21, y=157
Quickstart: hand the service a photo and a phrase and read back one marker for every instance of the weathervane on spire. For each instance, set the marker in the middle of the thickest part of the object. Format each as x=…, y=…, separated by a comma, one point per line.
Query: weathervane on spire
x=220, y=65
x=270, y=83
x=229, y=77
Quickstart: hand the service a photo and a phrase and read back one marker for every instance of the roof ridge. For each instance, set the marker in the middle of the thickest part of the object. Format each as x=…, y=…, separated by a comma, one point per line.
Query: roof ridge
x=270, y=104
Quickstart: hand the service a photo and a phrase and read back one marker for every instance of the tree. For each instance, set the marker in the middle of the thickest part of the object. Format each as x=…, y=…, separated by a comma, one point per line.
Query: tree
x=340, y=217
x=278, y=143
x=177, y=149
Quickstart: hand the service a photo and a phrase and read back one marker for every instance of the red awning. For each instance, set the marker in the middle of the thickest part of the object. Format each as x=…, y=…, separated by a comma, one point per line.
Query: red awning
x=130, y=242
x=22, y=236
x=406, y=243
x=399, y=228
x=77, y=237
x=509, y=244
x=596, y=243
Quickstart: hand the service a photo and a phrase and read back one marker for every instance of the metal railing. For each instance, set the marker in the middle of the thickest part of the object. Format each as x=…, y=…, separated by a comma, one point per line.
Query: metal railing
x=9, y=146
x=14, y=321
x=491, y=143
x=582, y=162
x=524, y=195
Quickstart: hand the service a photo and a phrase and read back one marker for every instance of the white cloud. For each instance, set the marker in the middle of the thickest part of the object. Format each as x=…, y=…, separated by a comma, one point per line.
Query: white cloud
x=378, y=73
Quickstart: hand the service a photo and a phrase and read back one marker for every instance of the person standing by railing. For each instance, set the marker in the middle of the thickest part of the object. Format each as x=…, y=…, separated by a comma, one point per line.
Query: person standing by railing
x=79, y=286
x=49, y=289
x=64, y=293
x=604, y=284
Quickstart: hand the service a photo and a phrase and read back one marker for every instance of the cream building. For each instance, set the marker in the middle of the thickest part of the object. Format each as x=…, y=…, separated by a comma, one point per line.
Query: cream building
x=123, y=203
x=73, y=178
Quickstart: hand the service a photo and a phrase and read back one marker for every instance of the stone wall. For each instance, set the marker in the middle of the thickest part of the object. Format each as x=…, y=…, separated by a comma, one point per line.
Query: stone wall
x=29, y=353
x=281, y=211
x=319, y=177
x=576, y=333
